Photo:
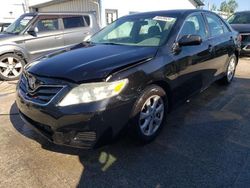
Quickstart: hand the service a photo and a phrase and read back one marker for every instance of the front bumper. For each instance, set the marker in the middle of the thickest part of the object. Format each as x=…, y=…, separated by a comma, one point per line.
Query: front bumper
x=84, y=125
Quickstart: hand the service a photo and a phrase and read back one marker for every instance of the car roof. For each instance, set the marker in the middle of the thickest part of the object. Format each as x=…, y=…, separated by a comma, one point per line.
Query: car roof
x=57, y=13
x=167, y=12
x=242, y=12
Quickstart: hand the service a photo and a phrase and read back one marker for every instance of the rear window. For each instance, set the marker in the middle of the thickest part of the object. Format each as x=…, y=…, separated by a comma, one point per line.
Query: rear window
x=87, y=19
x=73, y=22
x=240, y=18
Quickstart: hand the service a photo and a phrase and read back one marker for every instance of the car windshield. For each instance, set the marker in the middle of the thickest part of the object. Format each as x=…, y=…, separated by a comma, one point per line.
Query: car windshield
x=136, y=31
x=242, y=18
x=19, y=25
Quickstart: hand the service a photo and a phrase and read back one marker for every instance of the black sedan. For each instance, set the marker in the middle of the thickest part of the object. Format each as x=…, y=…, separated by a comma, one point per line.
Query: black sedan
x=240, y=21
x=127, y=76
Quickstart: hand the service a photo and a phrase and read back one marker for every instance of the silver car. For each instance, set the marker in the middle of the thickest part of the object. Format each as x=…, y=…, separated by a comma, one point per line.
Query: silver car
x=36, y=34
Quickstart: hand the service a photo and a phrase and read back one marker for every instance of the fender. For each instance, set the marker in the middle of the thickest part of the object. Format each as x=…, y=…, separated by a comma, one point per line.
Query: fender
x=16, y=49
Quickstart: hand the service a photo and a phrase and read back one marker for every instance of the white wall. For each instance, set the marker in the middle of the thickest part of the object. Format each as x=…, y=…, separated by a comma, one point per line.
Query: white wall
x=73, y=5
x=126, y=6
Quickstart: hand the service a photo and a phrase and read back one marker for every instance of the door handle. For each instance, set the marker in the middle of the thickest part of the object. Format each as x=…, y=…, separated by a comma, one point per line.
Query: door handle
x=210, y=48
x=58, y=37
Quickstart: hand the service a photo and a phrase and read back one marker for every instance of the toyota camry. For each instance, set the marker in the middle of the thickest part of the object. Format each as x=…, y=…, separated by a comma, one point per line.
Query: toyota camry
x=128, y=76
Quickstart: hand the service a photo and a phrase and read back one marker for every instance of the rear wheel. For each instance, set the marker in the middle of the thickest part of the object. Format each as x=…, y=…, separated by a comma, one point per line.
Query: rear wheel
x=149, y=113
x=11, y=66
x=231, y=68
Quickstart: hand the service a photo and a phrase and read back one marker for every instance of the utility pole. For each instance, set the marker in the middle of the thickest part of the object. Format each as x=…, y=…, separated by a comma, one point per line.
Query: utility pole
x=25, y=6
x=26, y=3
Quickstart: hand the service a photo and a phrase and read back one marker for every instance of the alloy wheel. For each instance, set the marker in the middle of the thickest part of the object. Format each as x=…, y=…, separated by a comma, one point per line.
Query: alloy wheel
x=10, y=67
x=231, y=69
x=151, y=115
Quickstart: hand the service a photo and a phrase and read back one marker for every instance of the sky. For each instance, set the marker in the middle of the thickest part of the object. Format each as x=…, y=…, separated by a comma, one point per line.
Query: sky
x=243, y=4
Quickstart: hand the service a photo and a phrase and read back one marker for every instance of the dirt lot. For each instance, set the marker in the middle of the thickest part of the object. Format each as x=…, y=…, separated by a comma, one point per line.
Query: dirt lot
x=205, y=144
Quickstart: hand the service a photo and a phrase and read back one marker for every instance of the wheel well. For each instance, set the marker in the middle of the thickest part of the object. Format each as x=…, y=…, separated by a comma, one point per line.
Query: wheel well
x=18, y=53
x=165, y=86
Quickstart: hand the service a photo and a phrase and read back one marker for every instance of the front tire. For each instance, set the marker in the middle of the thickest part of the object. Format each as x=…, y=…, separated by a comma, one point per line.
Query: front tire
x=149, y=113
x=11, y=66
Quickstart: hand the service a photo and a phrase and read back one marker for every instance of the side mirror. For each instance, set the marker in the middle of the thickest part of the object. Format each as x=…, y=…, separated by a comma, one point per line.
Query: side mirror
x=33, y=31
x=190, y=40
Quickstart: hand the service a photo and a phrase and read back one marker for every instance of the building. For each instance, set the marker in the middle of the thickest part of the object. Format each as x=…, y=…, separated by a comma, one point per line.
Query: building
x=109, y=10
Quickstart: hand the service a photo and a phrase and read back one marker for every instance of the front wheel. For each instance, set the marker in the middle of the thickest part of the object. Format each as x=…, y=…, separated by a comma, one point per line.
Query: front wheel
x=149, y=114
x=231, y=68
x=11, y=67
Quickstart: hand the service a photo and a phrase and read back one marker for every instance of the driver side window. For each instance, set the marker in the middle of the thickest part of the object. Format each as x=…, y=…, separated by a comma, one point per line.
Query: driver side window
x=194, y=25
x=44, y=25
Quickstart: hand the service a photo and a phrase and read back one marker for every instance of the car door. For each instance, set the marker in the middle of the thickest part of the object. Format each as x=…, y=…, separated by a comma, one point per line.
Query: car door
x=221, y=42
x=75, y=29
x=191, y=60
x=48, y=36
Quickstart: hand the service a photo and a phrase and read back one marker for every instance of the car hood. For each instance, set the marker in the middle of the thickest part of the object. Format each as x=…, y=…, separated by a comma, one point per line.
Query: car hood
x=241, y=28
x=5, y=35
x=91, y=62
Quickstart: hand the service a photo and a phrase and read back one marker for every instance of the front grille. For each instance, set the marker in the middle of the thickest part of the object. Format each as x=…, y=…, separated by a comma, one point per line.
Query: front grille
x=42, y=94
x=245, y=37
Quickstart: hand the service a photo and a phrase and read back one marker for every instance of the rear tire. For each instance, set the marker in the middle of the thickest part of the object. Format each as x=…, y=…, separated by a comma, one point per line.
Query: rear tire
x=149, y=113
x=11, y=66
x=231, y=68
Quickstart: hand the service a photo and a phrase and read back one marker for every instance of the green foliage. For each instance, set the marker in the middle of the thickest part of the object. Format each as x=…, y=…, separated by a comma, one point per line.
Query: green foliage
x=229, y=6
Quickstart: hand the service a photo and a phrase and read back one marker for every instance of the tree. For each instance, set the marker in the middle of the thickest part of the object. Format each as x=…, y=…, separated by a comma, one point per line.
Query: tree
x=214, y=7
x=233, y=5
x=229, y=6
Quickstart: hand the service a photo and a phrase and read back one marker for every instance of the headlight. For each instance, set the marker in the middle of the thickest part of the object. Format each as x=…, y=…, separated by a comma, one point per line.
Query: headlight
x=86, y=93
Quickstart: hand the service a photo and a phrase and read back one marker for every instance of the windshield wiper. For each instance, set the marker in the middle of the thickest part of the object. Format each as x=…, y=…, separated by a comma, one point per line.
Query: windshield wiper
x=110, y=43
x=8, y=32
x=12, y=33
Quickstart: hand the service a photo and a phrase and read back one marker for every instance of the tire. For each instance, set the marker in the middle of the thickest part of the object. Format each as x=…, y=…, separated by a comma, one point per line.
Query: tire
x=11, y=66
x=231, y=68
x=147, y=121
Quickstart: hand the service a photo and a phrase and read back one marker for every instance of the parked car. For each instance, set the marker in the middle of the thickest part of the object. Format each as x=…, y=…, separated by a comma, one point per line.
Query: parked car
x=129, y=75
x=3, y=26
x=240, y=21
x=35, y=34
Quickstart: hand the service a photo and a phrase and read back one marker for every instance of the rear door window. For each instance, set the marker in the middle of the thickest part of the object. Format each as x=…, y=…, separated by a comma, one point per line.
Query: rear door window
x=225, y=27
x=73, y=22
x=215, y=25
x=87, y=19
